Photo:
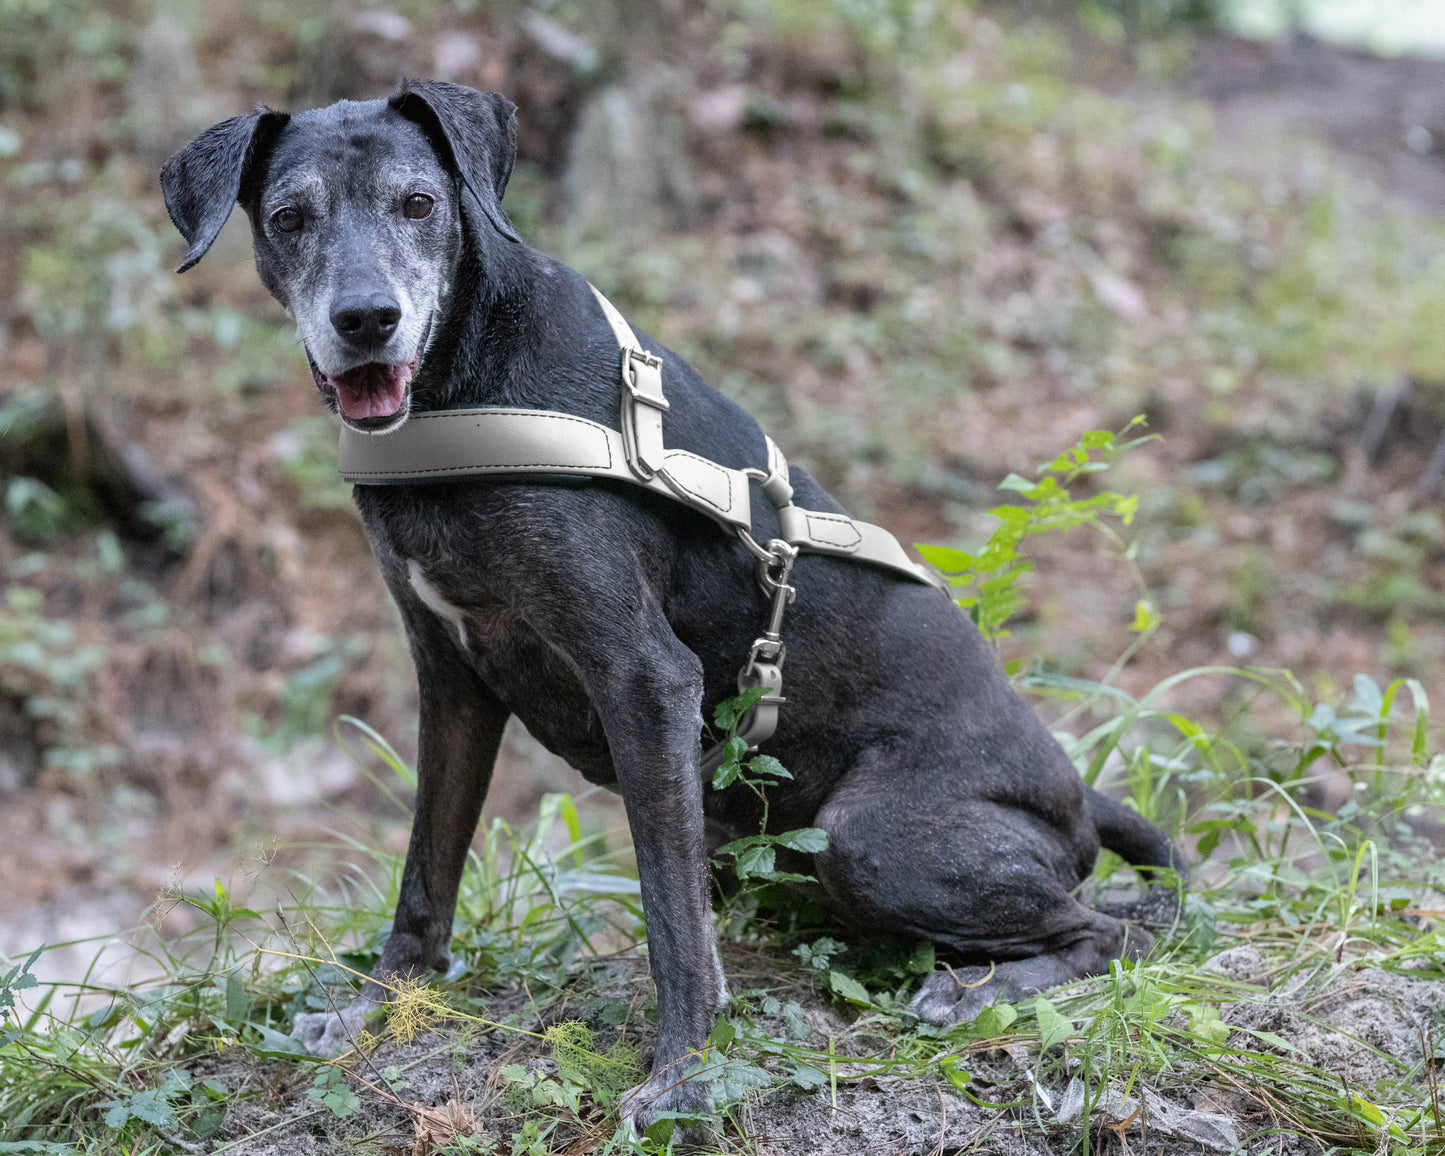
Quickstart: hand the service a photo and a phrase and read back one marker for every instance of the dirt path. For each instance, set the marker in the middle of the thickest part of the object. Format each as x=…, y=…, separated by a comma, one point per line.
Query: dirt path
x=1348, y=1027
x=1385, y=116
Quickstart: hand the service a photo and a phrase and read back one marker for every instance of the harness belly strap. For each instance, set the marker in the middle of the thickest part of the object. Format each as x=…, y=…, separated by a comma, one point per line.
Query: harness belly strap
x=461, y=443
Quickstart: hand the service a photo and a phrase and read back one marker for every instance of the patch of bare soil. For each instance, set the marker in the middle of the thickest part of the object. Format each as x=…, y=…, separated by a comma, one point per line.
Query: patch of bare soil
x=1384, y=115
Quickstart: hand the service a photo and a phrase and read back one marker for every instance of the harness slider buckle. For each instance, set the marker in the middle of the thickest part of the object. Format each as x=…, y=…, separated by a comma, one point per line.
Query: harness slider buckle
x=642, y=378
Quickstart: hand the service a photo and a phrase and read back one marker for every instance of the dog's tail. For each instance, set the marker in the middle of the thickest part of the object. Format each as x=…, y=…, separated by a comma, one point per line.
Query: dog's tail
x=1128, y=834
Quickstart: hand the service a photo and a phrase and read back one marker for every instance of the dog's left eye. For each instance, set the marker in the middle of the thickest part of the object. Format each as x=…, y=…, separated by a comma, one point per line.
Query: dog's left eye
x=417, y=207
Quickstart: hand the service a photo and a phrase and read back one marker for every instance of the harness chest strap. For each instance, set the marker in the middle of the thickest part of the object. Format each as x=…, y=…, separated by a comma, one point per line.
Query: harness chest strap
x=459, y=443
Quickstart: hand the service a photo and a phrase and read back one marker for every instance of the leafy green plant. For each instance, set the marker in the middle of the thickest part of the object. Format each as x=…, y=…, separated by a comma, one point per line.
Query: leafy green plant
x=154, y=1106
x=36, y=512
x=17, y=978
x=987, y=582
x=43, y=667
x=332, y=1088
x=754, y=857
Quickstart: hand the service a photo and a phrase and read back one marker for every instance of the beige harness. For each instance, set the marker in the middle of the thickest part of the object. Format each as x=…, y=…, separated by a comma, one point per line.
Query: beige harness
x=459, y=443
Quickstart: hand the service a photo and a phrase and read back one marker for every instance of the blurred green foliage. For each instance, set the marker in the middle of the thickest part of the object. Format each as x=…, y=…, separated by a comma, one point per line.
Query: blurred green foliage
x=986, y=584
x=44, y=668
x=307, y=452
x=43, y=36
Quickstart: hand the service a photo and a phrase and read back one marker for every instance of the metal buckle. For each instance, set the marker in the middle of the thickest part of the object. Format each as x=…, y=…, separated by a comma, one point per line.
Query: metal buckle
x=649, y=362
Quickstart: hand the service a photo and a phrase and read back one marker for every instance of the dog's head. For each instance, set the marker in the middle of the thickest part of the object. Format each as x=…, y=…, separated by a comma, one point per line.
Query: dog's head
x=358, y=214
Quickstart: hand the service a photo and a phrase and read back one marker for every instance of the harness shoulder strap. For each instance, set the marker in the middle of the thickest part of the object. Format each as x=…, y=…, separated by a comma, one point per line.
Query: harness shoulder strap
x=642, y=400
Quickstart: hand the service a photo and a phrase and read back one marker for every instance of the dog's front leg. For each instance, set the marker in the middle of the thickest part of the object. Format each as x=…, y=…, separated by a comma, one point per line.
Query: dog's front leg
x=649, y=698
x=460, y=731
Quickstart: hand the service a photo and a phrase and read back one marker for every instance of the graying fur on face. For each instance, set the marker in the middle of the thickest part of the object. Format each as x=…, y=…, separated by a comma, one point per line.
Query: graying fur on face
x=356, y=240
x=347, y=183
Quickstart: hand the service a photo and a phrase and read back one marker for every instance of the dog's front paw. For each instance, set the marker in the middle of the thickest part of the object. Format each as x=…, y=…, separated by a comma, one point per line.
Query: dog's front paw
x=326, y=1033
x=666, y=1095
x=954, y=997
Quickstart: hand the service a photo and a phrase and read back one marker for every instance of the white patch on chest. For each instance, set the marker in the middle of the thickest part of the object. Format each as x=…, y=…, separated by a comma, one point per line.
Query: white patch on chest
x=433, y=601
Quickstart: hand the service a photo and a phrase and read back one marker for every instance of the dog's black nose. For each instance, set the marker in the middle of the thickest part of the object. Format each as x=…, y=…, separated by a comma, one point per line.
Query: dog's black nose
x=365, y=320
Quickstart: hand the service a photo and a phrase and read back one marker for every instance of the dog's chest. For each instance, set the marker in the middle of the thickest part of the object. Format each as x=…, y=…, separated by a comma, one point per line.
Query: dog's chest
x=537, y=683
x=477, y=628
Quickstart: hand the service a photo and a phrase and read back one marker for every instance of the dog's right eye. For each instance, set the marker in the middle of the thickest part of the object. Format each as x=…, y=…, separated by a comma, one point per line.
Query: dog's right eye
x=287, y=220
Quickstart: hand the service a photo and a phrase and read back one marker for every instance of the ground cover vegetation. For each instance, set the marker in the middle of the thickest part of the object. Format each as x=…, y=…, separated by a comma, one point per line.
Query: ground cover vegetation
x=927, y=245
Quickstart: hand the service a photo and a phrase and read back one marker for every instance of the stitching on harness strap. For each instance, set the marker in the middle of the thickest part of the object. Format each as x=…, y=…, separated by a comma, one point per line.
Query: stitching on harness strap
x=681, y=484
x=494, y=416
x=819, y=524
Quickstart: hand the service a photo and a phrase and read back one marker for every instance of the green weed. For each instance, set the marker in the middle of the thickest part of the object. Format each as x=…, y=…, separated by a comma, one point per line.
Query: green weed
x=754, y=857
x=987, y=582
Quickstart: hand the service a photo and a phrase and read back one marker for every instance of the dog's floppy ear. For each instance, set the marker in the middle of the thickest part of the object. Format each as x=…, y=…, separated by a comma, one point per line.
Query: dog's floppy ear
x=203, y=181
x=475, y=134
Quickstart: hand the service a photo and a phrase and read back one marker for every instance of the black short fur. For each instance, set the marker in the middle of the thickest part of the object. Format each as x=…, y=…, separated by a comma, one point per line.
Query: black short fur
x=608, y=619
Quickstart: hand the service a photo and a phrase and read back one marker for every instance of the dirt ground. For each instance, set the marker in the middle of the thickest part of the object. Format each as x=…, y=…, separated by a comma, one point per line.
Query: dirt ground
x=1360, y=1025
x=1386, y=115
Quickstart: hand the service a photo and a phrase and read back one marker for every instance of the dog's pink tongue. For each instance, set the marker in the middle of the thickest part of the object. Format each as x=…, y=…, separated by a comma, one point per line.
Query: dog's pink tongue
x=373, y=390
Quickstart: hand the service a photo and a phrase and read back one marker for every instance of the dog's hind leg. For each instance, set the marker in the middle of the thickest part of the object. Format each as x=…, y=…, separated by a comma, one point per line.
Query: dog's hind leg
x=991, y=882
x=1128, y=833
x=461, y=729
x=957, y=995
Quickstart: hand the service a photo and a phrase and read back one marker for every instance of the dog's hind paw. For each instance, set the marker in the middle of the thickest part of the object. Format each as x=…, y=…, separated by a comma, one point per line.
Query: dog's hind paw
x=1158, y=907
x=326, y=1033
x=955, y=997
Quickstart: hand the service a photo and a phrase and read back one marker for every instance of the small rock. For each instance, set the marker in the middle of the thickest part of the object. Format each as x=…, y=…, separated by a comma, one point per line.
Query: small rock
x=1208, y=1129
x=1240, y=963
x=719, y=110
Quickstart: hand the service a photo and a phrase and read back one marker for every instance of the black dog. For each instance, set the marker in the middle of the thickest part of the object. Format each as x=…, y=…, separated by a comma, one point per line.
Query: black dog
x=607, y=617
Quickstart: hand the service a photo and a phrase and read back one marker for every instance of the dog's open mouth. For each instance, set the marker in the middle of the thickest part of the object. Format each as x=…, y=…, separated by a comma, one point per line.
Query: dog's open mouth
x=371, y=396
x=372, y=391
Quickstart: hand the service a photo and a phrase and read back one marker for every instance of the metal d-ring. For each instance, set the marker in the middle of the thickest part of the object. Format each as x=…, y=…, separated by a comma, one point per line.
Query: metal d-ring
x=751, y=543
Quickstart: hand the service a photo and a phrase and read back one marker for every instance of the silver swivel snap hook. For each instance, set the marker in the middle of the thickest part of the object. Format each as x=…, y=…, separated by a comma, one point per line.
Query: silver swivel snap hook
x=773, y=572
x=764, y=666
